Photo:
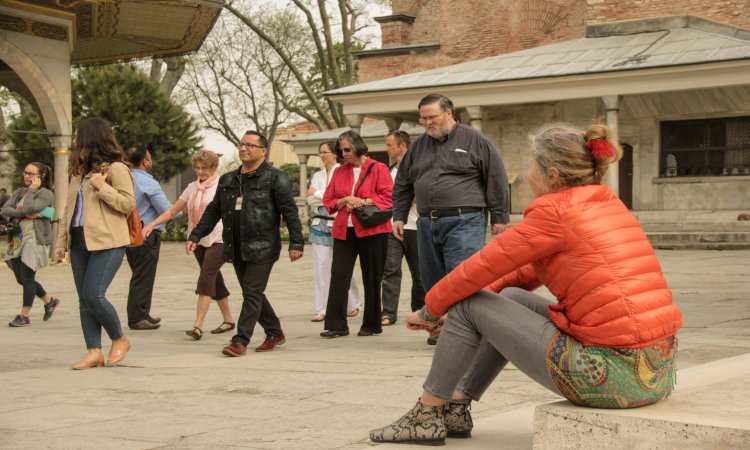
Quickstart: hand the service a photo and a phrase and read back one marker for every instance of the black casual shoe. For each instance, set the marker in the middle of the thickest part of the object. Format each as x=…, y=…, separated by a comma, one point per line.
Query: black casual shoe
x=366, y=332
x=50, y=307
x=330, y=334
x=19, y=321
x=143, y=325
x=153, y=320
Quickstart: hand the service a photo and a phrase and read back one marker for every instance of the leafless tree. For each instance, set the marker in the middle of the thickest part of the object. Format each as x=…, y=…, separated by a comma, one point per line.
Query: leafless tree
x=266, y=64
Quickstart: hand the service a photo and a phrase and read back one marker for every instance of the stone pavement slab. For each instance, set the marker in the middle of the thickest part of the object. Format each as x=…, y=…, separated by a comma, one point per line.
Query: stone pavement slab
x=173, y=392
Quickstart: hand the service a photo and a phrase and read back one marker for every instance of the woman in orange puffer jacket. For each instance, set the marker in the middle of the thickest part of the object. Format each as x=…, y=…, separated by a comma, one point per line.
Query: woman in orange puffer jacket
x=609, y=341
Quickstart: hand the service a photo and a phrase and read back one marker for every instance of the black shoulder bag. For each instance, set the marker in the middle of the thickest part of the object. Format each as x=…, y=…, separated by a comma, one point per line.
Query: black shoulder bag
x=370, y=215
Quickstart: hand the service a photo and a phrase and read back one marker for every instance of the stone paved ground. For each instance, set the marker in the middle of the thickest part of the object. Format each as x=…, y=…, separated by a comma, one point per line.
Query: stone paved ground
x=173, y=392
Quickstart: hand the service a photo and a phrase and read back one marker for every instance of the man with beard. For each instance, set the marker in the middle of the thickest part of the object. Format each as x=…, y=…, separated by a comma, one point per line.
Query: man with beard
x=457, y=177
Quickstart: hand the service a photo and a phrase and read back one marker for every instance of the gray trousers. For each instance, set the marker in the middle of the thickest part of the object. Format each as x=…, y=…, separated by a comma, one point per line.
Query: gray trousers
x=392, y=274
x=483, y=334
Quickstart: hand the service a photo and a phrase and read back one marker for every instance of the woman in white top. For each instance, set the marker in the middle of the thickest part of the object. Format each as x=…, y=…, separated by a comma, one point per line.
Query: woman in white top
x=320, y=234
x=196, y=197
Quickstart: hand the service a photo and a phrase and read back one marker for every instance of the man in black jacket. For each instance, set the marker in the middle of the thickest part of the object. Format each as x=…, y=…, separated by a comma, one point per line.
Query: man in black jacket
x=251, y=201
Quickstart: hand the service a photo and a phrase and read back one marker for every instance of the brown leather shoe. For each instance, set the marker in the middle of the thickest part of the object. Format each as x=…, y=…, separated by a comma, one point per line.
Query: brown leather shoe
x=120, y=348
x=93, y=358
x=270, y=343
x=144, y=325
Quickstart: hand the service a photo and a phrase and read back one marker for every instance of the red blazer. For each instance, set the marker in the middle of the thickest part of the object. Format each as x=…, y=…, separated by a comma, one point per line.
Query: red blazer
x=378, y=186
x=593, y=256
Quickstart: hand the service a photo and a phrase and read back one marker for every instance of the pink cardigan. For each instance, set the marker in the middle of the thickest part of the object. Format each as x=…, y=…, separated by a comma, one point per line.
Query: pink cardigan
x=378, y=186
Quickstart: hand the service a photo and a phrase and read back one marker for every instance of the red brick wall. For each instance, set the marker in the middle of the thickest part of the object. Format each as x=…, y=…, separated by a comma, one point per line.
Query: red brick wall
x=731, y=12
x=474, y=29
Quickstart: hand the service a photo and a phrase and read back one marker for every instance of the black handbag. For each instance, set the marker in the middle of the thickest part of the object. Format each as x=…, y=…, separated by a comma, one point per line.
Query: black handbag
x=371, y=215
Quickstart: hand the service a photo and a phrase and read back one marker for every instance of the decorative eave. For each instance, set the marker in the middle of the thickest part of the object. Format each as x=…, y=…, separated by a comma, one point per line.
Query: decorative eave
x=401, y=50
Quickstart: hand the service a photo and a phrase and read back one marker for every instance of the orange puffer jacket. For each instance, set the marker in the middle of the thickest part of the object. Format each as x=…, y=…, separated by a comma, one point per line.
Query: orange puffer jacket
x=591, y=253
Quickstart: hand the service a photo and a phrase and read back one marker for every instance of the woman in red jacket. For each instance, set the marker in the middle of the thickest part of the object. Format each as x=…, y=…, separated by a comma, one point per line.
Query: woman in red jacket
x=609, y=341
x=361, y=181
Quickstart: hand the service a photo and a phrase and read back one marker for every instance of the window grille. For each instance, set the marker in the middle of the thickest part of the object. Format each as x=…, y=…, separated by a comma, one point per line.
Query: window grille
x=706, y=147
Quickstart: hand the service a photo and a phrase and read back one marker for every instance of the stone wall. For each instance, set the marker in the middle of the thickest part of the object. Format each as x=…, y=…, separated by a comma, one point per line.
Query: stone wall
x=731, y=12
x=509, y=128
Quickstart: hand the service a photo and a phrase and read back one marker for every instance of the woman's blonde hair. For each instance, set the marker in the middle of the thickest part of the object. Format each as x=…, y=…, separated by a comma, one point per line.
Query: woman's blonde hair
x=569, y=150
x=207, y=157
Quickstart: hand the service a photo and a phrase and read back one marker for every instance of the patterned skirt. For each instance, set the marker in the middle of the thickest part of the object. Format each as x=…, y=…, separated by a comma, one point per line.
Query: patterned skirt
x=603, y=377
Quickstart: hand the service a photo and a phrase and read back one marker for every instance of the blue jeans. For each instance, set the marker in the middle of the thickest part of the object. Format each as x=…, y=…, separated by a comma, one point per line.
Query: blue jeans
x=93, y=272
x=446, y=242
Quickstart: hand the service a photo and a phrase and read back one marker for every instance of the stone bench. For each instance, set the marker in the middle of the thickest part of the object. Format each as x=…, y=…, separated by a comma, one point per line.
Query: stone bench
x=709, y=409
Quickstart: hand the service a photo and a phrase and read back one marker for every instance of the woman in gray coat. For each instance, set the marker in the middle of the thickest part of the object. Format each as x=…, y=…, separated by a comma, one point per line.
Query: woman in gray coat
x=30, y=211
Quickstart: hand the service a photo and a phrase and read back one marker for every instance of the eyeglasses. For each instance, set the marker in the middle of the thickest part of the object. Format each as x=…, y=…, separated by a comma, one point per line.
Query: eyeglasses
x=249, y=145
x=201, y=168
x=431, y=118
x=325, y=153
x=30, y=174
x=346, y=149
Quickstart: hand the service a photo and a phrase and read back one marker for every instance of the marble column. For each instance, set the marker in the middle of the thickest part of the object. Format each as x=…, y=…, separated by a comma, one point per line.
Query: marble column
x=355, y=121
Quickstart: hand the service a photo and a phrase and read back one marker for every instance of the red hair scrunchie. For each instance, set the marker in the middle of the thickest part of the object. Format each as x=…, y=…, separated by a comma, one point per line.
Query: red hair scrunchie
x=600, y=149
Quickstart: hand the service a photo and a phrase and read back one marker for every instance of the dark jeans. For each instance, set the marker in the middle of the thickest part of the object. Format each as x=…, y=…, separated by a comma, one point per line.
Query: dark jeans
x=446, y=242
x=371, y=251
x=142, y=261
x=27, y=279
x=93, y=272
x=392, y=274
x=253, y=279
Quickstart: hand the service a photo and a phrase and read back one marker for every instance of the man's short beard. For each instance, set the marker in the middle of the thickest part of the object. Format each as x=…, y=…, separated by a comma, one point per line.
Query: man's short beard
x=441, y=132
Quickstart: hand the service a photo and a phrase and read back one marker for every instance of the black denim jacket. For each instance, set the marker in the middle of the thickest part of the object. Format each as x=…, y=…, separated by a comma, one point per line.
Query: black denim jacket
x=267, y=197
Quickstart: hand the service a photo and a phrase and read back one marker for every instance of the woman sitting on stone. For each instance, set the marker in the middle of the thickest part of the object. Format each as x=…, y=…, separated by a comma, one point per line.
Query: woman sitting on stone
x=609, y=341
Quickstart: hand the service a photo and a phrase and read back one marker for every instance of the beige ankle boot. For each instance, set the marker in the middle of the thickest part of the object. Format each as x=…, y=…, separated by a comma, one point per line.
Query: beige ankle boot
x=421, y=425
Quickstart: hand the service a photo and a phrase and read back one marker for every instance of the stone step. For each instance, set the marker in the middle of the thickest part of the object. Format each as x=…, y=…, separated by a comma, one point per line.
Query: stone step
x=708, y=410
x=737, y=226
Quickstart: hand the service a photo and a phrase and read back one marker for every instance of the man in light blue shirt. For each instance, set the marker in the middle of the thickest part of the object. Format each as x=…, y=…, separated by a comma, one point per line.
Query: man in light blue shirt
x=151, y=203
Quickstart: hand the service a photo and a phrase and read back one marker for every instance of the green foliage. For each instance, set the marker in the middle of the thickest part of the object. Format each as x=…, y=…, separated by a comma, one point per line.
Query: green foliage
x=29, y=147
x=176, y=229
x=292, y=171
x=139, y=111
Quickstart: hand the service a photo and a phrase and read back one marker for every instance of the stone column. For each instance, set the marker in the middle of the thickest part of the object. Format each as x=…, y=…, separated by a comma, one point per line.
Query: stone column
x=393, y=123
x=355, y=121
x=475, y=117
x=303, y=174
x=612, y=106
x=61, y=151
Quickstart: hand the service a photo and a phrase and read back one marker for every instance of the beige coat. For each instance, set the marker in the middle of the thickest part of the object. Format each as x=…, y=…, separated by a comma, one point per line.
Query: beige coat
x=104, y=210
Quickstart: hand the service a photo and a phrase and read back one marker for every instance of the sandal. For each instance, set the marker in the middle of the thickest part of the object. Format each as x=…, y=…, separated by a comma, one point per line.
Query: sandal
x=353, y=313
x=196, y=333
x=219, y=329
x=318, y=318
x=385, y=321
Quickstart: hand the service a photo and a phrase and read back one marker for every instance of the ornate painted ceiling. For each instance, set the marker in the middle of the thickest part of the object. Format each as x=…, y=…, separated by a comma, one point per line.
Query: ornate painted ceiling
x=115, y=30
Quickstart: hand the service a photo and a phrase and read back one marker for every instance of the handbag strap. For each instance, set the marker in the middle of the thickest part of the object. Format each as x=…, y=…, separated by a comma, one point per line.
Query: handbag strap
x=362, y=180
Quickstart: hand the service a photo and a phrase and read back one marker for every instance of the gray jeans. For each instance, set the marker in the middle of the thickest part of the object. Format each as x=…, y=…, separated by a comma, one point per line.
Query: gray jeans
x=485, y=332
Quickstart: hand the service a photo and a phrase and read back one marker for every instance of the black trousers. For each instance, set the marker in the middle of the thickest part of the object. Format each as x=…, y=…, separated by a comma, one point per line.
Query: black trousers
x=27, y=279
x=371, y=251
x=253, y=278
x=142, y=261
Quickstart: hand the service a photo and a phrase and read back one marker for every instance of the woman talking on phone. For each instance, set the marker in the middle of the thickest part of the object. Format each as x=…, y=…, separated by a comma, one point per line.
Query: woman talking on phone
x=30, y=211
x=95, y=228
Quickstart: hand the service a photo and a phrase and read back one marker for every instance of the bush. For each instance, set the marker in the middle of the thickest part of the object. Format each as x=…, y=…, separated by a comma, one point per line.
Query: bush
x=176, y=229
